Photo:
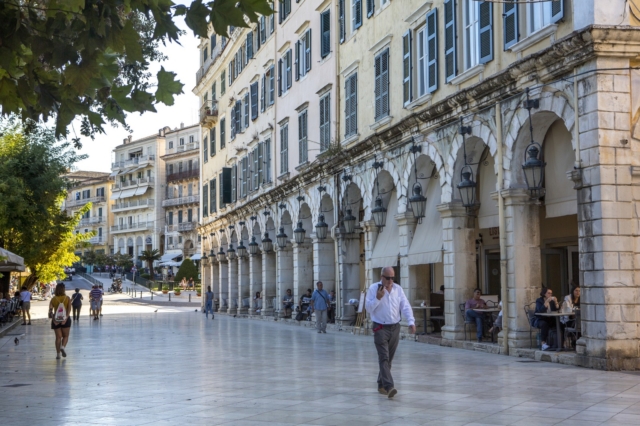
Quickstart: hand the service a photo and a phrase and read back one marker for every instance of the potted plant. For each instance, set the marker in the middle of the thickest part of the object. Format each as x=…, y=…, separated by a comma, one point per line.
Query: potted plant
x=199, y=291
x=176, y=291
x=165, y=289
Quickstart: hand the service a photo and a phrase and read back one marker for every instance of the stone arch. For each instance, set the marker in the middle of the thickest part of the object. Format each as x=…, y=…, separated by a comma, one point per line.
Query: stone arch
x=326, y=208
x=138, y=241
x=477, y=151
x=286, y=222
x=352, y=199
x=233, y=238
x=129, y=242
x=429, y=150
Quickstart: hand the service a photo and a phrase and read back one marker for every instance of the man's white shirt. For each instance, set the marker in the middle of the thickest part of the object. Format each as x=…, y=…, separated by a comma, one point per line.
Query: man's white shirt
x=387, y=310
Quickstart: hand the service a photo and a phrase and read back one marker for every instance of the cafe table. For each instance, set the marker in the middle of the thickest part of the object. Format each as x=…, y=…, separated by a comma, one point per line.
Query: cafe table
x=488, y=311
x=424, y=310
x=556, y=315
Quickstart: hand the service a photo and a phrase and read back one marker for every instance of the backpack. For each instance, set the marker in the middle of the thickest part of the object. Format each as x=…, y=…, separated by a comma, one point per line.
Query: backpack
x=299, y=316
x=61, y=313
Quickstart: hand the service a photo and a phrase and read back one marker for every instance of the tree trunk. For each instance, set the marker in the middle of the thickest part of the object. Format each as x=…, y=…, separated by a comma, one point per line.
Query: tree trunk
x=30, y=281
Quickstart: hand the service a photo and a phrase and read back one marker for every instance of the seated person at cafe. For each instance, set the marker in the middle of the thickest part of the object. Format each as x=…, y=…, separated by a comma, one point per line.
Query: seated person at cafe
x=287, y=302
x=305, y=301
x=331, y=310
x=497, y=324
x=475, y=303
x=571, y=302
x=545, y=303
x=257, y=301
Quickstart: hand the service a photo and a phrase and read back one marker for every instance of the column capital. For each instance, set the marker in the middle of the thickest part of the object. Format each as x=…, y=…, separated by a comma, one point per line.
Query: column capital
x=517, y=196
x=452, y=209
x=405, y=218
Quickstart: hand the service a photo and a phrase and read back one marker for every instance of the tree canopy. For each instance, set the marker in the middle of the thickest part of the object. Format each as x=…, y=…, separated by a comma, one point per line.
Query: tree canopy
x=88, y=59
x=187, y=270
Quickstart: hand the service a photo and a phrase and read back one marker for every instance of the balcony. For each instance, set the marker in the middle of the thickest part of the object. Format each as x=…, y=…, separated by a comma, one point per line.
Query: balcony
x=98, y=240
x=209, y=114
x=133, y=183
x=82, y=202
x=142, y=159
x=133, y=204
x=193, y=146
x=182, y=227
x=190, y=199
x=132, y=226
x=183, y=175
x=96, y=220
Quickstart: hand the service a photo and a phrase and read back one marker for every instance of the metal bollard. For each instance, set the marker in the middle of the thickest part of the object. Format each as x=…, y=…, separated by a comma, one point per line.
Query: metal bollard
x=151, y=295
x=169, y=297
x=140, y=294
x=189, y=298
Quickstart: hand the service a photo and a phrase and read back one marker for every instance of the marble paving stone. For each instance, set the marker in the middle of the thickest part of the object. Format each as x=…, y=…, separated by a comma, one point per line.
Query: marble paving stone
x=175, y=368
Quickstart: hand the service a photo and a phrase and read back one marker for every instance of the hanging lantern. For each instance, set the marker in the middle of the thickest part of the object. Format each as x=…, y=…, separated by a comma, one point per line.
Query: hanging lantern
x=418, y=202
x=321, y=228
x=231, y=253
x=349, y=222
x=242, y=250
x=533, y=169
x=267, y=244
x=467, y=187
x=212, y=255
x=379, y=213
x=299, y=233
x=204, y=258
x=282, y=238
x=221, y=255
x=254, y=247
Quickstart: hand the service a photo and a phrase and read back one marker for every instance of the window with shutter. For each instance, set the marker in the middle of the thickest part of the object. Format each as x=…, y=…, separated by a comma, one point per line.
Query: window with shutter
x=213, y=42
x=205, y=200
x=243, y=177
x=341, y=20
x=450, y=60
x=325, y=122
x=297, y=59
x=406, y=68
x=262, y=28
x=325, y=33
x=272, y=85
x=223, y=80
x=260, y=163
x=381, y=69
x=267, y=160
x=232, y=121
x=249, y=45
x=213, y=198
x=231, y=71
x=288, y=73
x=485, y=37
x=471, y=43
x=279, y=77
x=510, y=23
x=239, y=116
x=351, y=105
x=254, y=100
x=256, y=169
x=214, y=95
x=303, y=150
x=212, y=138
x=223, y=139
x=284, y=149
x=180, y=216
x=307, y=51
x=234, y=183
x=356, y=14
x=371, y=5
x=541, y=14
x=263, y=93
x=246, y=110
x=205, y=152
x=432, y=50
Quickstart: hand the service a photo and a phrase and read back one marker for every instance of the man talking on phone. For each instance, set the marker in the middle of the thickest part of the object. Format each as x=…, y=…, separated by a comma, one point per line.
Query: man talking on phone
x=385, y=301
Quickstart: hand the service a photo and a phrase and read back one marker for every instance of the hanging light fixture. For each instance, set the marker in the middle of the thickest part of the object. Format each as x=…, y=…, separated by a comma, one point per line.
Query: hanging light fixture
x=231, y=253
x=349, y=222
x=417, y=201
x=222, y=255
x=321, y=228
x=299, y=232
x=204, y=257
x=267, y=244
x=379, y=211
x=282, y=238
x=242, y=250
x=254, y=247
x=467, y=185
x=534, y=165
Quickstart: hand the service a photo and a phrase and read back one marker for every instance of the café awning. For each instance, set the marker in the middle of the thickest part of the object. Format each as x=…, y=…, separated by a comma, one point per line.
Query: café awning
x=387, y=247
x=10, y=261
x=170, y=256
x=141, y=190
x=128, y=193
x=426, y=246
x=115, y=195
x=196, y=256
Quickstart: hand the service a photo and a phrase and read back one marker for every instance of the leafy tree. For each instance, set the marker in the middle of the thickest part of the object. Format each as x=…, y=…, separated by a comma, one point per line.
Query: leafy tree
x=88, y=59
x=32, y=189
x=150, y=256
x=89, y=257
x=103, y=259
x=124, y=261
x=187, y=270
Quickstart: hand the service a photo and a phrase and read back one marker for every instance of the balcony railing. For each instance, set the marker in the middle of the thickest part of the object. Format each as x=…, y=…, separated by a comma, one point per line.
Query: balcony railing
x=134, y=161
x=82, y=202
x=181, y=227
x=209, y=114
x=92, y=220
x=98, y=240
x=133, y=204
x=190, y=199
x=134, y=183
x=131, y=226
x=193, y=146
x=185, y=174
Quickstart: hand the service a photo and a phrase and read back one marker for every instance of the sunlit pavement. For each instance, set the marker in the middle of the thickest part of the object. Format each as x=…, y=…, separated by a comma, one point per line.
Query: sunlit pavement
x=175, y=367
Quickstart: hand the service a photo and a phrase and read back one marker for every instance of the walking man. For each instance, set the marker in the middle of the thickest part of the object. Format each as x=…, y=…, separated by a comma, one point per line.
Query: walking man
x=208, y=304
x=95, y=295
x=385, y=301
x=320, y=304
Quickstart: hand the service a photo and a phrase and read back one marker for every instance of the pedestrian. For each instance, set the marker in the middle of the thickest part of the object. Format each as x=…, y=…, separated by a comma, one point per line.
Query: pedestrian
x=59, y=309
x=25, y=298
x=385, y=302
x=101, y=296
x=76, y=303
x=320, y=303
x=95, y=296
x=208, y=305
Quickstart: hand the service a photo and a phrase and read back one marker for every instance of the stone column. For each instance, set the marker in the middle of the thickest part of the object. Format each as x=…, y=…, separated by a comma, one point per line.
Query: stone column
x=255, y=280
x=370, y=237
x=204, y=279
x=349, y=268
x=406, y=228
x=302, y=269
x=244, y=282
x=214, y=280
x=459, y=266
x=268, y=282
x=223, y=269
x=284, y=257
x=324, y=262
x=233, y=286
x=524, y=267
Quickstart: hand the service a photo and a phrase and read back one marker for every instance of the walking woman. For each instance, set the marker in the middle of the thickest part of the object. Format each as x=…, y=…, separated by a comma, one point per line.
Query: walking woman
x=76, y=302
x=59, y=309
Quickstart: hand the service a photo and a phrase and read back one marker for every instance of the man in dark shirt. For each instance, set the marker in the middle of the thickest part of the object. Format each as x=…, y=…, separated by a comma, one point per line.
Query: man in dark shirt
x=475, y=303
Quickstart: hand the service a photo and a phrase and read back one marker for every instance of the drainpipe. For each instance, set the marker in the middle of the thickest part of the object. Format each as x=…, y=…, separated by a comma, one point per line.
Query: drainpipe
x=337, y=183
x=503, y=235
x=336, y=246
x=576, y=124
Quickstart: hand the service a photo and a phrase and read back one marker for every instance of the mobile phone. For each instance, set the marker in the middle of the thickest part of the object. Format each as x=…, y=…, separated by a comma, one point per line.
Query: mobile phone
x=380, y=286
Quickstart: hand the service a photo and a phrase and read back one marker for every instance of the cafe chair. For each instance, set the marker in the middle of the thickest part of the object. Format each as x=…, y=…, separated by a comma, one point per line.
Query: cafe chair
x=574, y=327
x=464, y=317
x=529, y=311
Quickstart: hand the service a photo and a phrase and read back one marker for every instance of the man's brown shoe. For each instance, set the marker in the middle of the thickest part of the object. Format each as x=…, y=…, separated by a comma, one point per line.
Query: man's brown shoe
x=392, y=392
x=383, y=391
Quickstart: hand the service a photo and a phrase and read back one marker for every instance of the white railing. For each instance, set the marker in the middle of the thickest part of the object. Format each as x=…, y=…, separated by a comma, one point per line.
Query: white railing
x=181, y=200
x=134, y=182
x=97, y=240
x=181, y=227
x=128, y=226
x=149, y=202
x=82, y=202
x=91, y=220
x=133, y=161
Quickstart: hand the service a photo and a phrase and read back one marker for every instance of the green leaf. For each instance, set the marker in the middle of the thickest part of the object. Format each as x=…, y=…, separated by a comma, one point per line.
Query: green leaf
x=131, y=41
x=196, y=18
x=167, y=87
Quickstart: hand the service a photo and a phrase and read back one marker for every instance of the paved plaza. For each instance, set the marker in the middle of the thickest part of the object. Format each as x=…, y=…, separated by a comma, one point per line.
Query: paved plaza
x=173, y=367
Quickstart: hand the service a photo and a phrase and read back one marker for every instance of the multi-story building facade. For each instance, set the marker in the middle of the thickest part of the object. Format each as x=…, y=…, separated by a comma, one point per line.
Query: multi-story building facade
x=95, y=188
x=136, y=201
x=478, y=145
x=181, y=198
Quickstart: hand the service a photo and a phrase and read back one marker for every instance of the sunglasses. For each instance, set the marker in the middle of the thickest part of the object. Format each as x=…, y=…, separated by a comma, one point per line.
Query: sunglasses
x=388, y=278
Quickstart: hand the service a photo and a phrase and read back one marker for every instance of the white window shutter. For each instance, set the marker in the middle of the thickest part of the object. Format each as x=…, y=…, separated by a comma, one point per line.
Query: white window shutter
x=406, y=68
x=432, y=50
x=297, y=60
x=557, y=10
x=307, y=52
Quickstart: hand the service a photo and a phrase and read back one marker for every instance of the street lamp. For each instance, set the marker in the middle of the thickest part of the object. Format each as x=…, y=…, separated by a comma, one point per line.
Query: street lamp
x=533, y=166
x=267, y=244
x=379, y=213
x=221, y=255
x=321, y=228
x=467, y=185
x=418, y=202
x=242, y=250
x=282, y=238
x=253, y=246
x=349, y=222
x=299, y=233
x=231, y=252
